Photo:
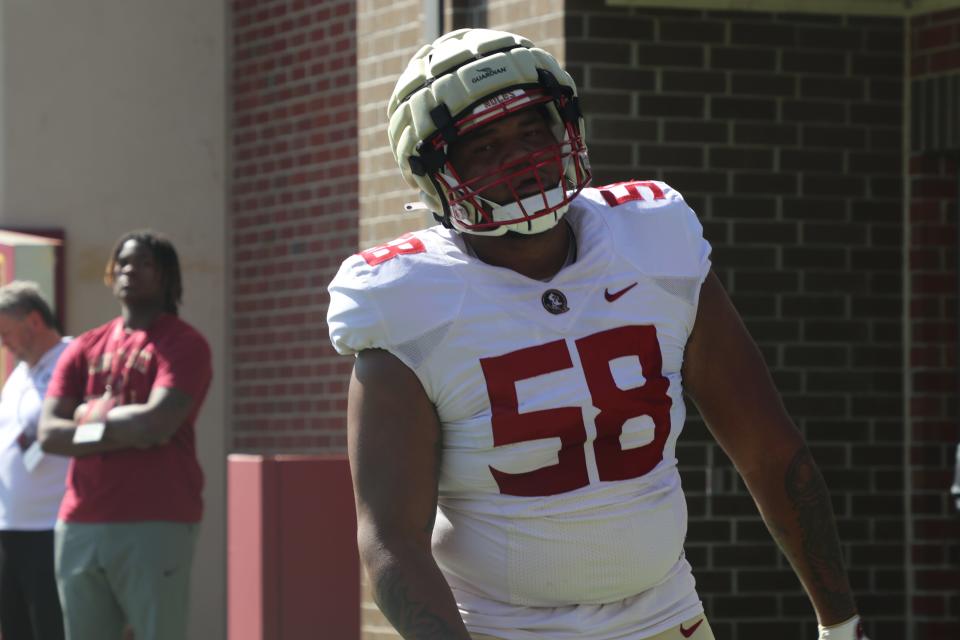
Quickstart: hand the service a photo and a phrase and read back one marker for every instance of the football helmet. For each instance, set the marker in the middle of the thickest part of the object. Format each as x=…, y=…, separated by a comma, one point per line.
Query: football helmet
x=465, y=80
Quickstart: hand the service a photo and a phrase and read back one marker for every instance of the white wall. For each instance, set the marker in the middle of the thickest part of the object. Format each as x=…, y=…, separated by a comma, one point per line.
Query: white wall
x=112, y=117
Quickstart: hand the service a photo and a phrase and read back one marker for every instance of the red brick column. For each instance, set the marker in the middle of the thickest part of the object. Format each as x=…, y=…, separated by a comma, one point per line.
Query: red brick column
x=934, y=176
x=293, y=218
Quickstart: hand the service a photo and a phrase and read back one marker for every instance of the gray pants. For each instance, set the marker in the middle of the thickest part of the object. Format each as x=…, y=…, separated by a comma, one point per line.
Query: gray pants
x=138, y=573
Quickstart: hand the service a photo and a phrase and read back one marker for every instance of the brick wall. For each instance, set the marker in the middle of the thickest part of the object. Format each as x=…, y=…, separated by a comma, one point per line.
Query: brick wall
x=293, y=217
x=784, y=132
x=934, y=212
x=542, y=21
x=388, y=35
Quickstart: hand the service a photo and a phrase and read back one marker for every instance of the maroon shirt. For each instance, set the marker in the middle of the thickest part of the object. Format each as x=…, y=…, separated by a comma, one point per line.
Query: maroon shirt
x=159, y=483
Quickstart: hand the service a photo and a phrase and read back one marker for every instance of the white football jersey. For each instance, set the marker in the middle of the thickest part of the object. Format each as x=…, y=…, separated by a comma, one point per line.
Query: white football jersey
x=560, y=510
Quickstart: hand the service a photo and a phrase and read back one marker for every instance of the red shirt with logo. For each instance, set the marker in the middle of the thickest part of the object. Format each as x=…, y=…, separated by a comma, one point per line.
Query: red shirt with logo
x=163, y=482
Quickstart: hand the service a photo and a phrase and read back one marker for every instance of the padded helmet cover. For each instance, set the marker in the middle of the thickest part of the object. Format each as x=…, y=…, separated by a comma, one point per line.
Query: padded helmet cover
x=469, y=78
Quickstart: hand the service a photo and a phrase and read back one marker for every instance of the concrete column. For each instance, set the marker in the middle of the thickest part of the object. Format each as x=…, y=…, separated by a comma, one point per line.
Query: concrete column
x=112, y=118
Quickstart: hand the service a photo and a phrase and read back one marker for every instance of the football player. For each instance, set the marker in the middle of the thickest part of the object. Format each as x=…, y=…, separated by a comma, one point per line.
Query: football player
x=518, y=388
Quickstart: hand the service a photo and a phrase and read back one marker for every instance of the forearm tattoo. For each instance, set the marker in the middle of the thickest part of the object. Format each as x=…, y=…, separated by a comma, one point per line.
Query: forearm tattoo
x=411, y=618
x=819, y=547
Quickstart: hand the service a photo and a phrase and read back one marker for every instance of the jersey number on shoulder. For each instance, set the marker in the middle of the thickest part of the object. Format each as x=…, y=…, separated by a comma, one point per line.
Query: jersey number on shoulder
x=620, y=192
x=405, y=244
x=616, y=406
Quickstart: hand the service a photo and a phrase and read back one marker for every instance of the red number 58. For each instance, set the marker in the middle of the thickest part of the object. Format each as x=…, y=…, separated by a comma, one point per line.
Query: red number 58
x=616, y=406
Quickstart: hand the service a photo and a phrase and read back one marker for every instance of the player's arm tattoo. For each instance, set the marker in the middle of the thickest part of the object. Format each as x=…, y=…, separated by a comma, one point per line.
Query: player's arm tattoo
x=411, y=618
x=819, y=548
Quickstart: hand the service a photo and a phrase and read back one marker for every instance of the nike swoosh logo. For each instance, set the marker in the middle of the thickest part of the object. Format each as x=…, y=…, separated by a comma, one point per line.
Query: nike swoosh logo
x=689, y=632
x=613, y=296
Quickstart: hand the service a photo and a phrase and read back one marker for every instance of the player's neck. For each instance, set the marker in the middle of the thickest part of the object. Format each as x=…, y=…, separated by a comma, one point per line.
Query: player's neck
x=140, y=316
x=538, y=257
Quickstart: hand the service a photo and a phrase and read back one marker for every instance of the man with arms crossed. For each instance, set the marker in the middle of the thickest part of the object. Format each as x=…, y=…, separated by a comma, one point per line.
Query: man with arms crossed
x=517, y=393
x=31, y=483
x=123, y=402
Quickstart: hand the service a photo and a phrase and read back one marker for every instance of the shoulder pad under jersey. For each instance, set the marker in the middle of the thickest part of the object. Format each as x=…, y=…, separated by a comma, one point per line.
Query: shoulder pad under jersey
x=653, y=228
x=396, y=294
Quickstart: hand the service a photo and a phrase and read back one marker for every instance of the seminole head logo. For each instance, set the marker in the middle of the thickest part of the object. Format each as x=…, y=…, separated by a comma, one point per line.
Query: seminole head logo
x=485, y=72
x=554, y=301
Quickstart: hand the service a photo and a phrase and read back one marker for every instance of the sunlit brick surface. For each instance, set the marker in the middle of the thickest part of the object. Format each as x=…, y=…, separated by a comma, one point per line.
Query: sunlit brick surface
x=293, y=218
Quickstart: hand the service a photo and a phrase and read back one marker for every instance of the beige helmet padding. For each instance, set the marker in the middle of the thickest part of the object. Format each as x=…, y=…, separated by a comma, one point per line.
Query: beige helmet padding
x=460, y=70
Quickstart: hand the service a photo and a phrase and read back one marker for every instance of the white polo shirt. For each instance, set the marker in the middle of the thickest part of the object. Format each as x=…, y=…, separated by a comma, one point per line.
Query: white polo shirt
x=29, y=499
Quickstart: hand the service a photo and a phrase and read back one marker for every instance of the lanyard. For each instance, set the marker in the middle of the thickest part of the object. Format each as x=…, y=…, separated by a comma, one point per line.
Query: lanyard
x=123, y=359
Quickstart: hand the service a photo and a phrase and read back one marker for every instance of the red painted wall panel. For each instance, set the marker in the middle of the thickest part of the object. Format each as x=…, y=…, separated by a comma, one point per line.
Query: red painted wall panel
x=249, y=567
x=293, y=571
x=318, y=560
